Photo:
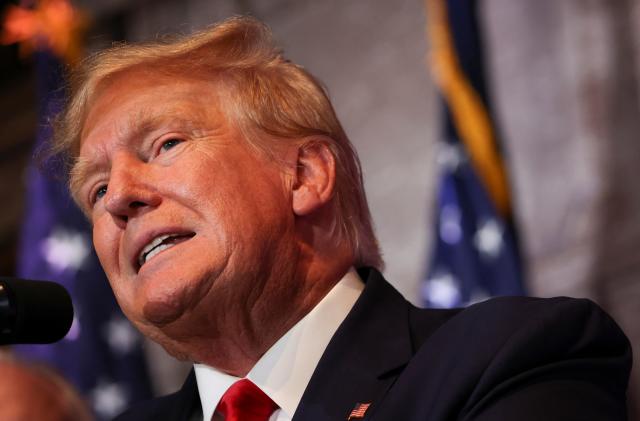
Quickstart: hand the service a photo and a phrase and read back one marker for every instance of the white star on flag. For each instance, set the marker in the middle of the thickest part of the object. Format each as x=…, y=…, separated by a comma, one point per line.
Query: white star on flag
x=108, y=399
x=488, y=239
x=120, y=335
x=450, y=156
x=450, y=224
x=65, y=249
x=442, y=290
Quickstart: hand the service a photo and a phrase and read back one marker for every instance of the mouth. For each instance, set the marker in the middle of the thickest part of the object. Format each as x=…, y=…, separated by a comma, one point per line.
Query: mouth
x=159, y=244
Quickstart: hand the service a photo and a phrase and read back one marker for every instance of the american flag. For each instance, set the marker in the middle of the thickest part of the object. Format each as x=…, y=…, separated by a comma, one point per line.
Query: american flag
x=475, y=254
x=359, y=411
x=102, y=354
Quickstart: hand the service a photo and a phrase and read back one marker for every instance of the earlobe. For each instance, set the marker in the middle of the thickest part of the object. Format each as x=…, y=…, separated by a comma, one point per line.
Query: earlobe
x=315, y=177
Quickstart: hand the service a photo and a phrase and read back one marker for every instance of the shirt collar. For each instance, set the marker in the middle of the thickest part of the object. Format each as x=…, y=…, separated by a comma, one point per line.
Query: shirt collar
x=285, y=369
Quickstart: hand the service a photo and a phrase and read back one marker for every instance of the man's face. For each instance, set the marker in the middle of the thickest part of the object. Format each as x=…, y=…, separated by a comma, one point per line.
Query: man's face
x=187, y=220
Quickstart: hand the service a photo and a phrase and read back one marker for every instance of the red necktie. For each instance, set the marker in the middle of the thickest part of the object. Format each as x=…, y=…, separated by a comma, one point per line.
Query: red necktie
x=244, y=401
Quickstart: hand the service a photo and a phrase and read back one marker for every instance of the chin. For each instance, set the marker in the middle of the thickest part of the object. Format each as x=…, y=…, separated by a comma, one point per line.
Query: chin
x=172, y=347
x=161, y=313
x=176, y=352
x=164, y=300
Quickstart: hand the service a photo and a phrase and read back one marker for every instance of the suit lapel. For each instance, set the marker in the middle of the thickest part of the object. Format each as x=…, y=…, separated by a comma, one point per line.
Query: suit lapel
x=185, y=402
x=363, y=358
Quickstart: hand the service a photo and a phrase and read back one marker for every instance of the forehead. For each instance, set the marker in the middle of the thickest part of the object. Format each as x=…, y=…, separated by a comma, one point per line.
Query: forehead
x=138, y=98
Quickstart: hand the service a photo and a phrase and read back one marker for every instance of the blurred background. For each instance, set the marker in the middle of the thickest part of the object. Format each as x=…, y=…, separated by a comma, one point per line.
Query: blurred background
x=558, y=81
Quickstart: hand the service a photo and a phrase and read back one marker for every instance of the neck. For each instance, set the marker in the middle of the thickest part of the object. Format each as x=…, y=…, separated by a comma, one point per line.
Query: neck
x=294, y=294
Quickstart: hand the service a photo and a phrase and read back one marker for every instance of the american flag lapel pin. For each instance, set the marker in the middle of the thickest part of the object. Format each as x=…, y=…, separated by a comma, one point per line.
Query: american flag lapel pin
x=359, y=411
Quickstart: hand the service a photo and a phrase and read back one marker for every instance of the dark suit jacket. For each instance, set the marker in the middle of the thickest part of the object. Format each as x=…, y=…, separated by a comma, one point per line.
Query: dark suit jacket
x=510, y=358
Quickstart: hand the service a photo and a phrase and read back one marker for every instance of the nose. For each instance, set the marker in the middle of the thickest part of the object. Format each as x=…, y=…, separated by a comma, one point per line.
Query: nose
x=130, y=190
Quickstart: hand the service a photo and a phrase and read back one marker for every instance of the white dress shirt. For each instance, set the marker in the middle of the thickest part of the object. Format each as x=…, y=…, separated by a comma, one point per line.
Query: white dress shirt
x=285, y=369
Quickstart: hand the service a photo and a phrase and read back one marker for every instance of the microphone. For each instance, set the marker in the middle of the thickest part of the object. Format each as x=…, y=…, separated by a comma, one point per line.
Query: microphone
x=33, y=312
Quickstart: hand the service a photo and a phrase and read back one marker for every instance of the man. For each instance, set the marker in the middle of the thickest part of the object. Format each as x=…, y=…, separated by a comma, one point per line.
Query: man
x=229, y=214
x=33, y=392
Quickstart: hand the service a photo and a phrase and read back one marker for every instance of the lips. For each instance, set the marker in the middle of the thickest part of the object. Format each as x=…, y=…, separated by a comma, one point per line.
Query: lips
x=160, y=243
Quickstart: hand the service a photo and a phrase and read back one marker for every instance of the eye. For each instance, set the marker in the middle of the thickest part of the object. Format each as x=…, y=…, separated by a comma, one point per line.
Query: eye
x=99, y=193
x=170, y=143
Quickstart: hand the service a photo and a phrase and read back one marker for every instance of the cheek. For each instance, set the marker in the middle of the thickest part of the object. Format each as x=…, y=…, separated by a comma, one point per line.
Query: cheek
x=106, y=244
x=107, y=250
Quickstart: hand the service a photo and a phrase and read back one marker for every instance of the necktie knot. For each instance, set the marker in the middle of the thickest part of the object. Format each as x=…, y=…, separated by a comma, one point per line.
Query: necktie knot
x=244, y=401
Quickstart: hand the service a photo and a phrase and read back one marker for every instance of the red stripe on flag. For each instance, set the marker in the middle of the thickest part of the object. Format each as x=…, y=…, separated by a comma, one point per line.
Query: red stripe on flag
x=358, y=411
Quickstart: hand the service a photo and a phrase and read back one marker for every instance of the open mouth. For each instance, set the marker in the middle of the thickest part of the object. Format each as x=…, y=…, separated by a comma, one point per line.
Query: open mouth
x=159, y=244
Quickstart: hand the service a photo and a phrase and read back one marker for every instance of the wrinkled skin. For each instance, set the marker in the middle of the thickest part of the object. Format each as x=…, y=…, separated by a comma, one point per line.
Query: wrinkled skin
x=158, y=156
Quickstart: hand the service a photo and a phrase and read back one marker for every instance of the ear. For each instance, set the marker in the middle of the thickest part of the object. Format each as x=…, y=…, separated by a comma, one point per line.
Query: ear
x=315, y=177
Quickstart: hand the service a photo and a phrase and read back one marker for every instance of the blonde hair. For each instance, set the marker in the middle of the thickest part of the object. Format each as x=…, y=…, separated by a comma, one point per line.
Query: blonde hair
x=265, y=94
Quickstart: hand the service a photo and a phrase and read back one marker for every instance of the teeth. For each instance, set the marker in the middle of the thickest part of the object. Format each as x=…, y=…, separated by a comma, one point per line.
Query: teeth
x=148, y=251
x=157, y=250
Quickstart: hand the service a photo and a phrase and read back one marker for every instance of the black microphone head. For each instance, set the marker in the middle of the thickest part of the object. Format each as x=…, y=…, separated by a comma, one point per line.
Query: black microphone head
x=33, y=312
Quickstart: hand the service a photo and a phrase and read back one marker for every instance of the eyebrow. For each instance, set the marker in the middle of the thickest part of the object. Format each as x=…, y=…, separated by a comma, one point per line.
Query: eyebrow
x=78, y=175
x=136, y=127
